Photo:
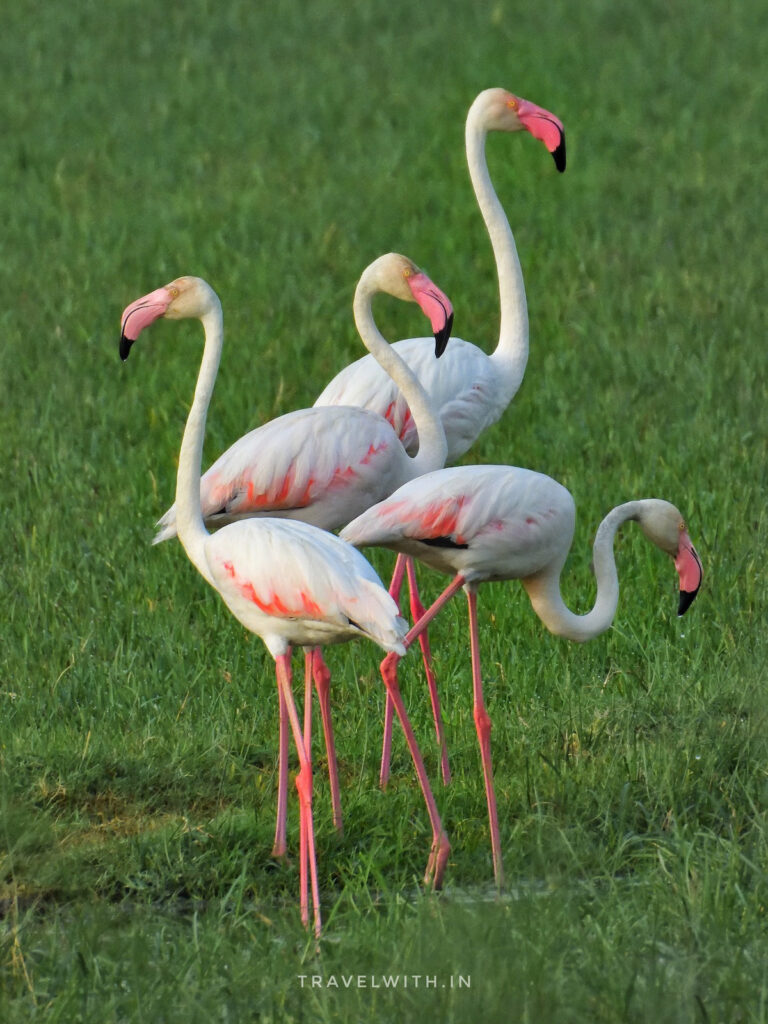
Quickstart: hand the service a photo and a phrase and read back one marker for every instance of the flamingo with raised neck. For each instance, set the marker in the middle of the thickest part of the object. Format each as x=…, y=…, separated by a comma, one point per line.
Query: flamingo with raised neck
x=469, y=388
x=288, y=582
x=325, y=466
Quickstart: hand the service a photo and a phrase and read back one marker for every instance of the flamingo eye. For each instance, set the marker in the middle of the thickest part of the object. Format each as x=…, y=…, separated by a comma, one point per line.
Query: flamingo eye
x=174, y=291
x=681, y=526
x=513, y=104
x=408, y=272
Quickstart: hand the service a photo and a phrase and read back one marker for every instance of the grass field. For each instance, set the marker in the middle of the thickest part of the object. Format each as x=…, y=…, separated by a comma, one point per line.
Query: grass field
x=276, y=149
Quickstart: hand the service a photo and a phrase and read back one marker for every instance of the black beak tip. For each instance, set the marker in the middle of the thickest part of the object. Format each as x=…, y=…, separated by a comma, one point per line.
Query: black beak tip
x=442, y=337
x=558, y=154
x=687, y=597
x=125, y=346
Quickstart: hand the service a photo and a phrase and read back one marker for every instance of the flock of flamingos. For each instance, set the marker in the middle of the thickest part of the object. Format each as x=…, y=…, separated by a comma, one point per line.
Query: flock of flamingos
x=369, y=458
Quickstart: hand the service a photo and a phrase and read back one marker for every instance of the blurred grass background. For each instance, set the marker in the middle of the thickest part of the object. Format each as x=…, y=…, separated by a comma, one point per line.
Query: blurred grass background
x=275, y=150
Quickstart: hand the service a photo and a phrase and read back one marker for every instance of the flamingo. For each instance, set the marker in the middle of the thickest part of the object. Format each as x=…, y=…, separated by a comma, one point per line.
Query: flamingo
x=470, y=389
x=482, y=523
x=288, y=582
x=324, y=466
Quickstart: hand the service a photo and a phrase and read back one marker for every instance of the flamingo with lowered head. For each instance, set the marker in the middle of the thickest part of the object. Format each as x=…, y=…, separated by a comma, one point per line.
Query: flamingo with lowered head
x=469, y=388
x=324, y=466
x=498, y=523
x=288, y=582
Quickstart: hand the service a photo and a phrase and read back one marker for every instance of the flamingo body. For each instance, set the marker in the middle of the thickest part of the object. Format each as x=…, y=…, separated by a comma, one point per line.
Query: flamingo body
x=464, y=386
x=503, y=522
x=485, y=522
x=295, y=585
x=318, y=466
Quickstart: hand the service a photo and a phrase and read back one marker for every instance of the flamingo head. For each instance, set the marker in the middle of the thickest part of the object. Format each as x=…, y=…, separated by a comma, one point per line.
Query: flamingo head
x=663, y=525
x=398, y=276
x=186, y=297
x=501, y=111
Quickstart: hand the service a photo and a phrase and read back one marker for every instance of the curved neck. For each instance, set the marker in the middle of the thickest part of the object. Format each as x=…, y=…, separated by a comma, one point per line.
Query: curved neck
x=544, y=589
x=189, y=515
x=511, y=354
x=433, y=448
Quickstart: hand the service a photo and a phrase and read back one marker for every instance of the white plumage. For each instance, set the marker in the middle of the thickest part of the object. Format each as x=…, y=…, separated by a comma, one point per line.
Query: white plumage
x=496, y=522
x=293, y=584
x=318, y=466
x=464, y=386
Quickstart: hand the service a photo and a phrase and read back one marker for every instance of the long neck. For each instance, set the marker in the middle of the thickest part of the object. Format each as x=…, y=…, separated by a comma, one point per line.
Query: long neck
x=511, y=354
x=189, y=514
x=544, y=590
x=433, y=448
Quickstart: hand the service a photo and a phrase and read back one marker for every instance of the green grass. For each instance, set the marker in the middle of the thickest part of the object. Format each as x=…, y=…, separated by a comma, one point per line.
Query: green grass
x=276, y=150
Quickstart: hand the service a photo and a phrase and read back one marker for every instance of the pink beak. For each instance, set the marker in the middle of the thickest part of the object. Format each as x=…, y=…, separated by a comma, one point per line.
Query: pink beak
x=688, y=565
x=141, y=314
x=546, y=128
x=436, y=306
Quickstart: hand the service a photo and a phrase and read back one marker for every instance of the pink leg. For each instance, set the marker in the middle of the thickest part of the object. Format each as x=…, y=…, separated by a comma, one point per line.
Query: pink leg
x=417, y=611
x=303, y=849
x=279, y=847
x=304, y=787
x=397, y=579
x=440, y=845
x=308, y=703
x=386, y=750
x=386, y=747
x=483, y=726
x=456, y=584
x=322, y=678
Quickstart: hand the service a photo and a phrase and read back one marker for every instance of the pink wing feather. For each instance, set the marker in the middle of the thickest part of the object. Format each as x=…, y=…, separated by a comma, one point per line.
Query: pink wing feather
x=289, y=575
x=499, y=515
x=321, y=466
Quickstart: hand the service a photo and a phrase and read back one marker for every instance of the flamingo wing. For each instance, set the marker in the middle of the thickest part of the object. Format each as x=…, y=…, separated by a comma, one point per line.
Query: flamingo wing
x=292, y=579
x=462, y=385
x=488, y=522
x=322, y=466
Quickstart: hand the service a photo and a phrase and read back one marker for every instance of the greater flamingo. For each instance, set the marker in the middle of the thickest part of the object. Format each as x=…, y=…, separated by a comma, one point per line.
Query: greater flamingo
x=470, y=389
x=324, y=466
x=288, y=582
x=498, y=523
